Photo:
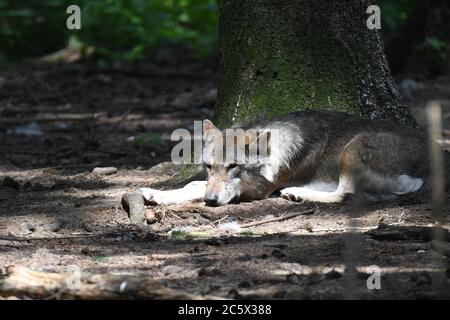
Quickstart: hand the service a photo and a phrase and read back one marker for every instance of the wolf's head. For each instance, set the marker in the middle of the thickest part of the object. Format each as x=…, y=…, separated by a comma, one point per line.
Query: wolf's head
x=237, y=163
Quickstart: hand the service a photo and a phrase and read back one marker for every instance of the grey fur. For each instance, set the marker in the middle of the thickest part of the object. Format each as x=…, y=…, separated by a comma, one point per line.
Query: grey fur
x=355, y=155
x=321, y=156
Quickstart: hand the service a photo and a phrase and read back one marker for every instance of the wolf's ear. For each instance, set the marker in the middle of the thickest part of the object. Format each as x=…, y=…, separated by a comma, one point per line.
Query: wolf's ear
x=208, y=126
x=260, y=141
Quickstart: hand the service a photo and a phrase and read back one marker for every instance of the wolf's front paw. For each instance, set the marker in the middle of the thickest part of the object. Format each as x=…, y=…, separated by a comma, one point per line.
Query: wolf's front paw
x=151, y=196
x=292, y=194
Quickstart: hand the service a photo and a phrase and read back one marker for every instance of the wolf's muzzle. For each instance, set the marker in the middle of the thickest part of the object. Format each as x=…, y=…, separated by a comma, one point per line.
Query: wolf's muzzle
x=211, y=199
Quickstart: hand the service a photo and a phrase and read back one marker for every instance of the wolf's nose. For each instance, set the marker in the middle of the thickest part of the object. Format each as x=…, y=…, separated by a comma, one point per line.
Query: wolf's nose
x=211, y=199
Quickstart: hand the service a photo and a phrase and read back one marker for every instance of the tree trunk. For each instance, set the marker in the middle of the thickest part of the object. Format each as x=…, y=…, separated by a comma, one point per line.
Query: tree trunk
x=279, y=56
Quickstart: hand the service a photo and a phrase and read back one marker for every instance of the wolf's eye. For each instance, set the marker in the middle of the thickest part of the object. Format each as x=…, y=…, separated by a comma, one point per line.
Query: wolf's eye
x=232, y=165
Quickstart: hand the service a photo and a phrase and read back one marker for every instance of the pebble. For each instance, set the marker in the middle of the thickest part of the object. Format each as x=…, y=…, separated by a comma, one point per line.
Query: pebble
x=11, y=183
x=150, y=217
x=423, y=279
x=27, y=227
x=27, y=185
x=54, y=227
x=86, y=227
x=333, y=275
x=209, y=272
x=213, y=242
x=278, y=254
x=104, y=171
x=293, y=278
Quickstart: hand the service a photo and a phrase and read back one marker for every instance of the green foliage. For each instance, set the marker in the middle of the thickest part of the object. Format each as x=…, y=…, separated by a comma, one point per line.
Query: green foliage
x=99, y=259
x=395, y=12
x=116, y=29
x=181, y=234
x=149, y=139
x=126, y=29
x=435, y=44
x=129, y=29
x=434, y=50
x=190, y=170
x=32, y=27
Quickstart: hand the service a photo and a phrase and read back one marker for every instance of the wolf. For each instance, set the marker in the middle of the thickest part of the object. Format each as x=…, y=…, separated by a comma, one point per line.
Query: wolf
x=317, y=156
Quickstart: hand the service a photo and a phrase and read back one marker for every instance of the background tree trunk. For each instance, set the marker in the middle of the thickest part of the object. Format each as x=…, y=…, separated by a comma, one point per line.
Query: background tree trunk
x=279, y=56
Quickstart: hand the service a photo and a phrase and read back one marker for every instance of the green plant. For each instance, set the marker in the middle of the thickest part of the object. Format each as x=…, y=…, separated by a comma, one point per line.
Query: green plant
x=435, y=44
x=99, y=258
x=116, y=29
x=394, y=13
x=434, y=49
x=181, y=234
x=26, y=26
x=149, y=139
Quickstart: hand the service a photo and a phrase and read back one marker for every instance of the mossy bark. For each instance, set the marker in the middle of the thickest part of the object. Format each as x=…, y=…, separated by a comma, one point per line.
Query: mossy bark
x=279, y=56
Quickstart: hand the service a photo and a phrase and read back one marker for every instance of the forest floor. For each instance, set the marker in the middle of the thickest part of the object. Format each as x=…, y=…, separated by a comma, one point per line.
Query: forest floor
x=59, y=122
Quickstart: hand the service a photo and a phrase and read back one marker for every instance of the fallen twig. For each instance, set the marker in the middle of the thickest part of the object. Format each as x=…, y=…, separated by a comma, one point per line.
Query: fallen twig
x=49, y=117
x=285, y=217
x=341, y=230
x=73, y=237
x=219, y=220
x=173, y=215
x=61, y=94
x=116, y=126
x=72, y=166
x=78, y=150
x=148, y=73
x=114, y=153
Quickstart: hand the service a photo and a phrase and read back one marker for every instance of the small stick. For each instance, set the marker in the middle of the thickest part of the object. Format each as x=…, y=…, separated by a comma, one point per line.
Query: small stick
x=50, y=117
x=74, y=237
x=343, y=229
x=285, y=217
x=219, y=220
x=175, y=216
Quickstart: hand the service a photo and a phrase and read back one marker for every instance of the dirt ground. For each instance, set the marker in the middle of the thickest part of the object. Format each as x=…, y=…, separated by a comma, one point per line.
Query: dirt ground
x=55, y=213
